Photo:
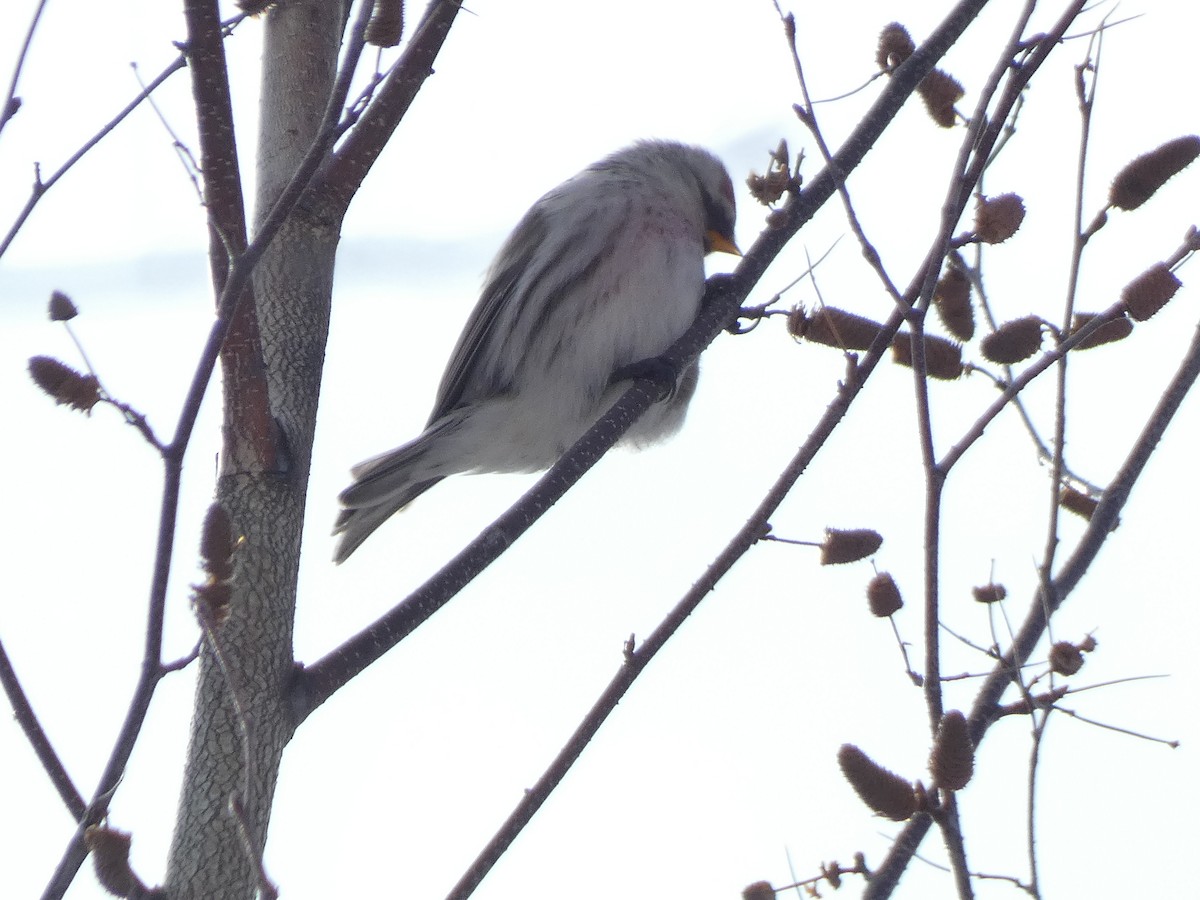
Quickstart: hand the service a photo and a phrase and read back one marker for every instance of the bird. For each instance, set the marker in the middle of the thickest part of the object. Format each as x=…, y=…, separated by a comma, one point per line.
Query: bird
x=597, y=280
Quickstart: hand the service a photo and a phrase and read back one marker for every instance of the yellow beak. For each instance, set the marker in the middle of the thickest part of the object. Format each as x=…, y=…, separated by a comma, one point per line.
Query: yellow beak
x=715, y=242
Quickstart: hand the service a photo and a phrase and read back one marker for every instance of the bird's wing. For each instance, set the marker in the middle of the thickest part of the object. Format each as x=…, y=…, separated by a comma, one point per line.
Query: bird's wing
x=559, y=243
x=517, y=254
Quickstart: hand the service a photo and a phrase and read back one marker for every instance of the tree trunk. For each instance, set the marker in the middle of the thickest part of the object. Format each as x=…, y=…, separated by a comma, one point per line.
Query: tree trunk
x=253, y=659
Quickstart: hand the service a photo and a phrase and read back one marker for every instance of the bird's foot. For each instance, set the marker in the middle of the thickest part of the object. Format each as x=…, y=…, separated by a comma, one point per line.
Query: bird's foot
x=658, y=370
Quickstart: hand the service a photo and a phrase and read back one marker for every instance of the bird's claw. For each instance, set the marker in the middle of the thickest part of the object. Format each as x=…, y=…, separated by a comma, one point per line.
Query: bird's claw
x=658, y=370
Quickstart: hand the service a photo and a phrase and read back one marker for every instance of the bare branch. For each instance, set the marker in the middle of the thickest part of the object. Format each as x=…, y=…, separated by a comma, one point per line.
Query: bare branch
x=974, y=156
x=12, y=102
x=40, y=186
x=38, y=740
x=231, y=294
x=321, y=680
x=986, y=707
x=362, y=146
x=251, y=440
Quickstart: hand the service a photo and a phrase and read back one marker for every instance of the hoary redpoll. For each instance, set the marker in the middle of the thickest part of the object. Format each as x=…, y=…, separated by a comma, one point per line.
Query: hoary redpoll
x=601, y=276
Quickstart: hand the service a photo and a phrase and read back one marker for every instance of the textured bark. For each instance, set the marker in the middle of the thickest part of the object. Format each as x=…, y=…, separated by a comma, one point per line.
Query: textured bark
x=292, y=288
x=207, y=857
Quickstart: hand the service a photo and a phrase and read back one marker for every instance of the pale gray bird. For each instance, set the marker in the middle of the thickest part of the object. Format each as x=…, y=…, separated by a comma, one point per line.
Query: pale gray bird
x=598, y=279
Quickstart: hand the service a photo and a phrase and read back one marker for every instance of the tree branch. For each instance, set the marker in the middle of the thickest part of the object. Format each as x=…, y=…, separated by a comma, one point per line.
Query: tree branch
x=1104, y=519
x=36, y=735
x=11, y=102
x=314, y=685
x=250, y=441
x=40, y=187
x=231, y=294
x=366, y=140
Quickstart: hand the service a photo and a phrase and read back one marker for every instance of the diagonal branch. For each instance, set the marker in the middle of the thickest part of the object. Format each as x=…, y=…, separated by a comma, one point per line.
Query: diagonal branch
x=366, y=140
x=40, y=186
x=1048, y=600
x=316, y=684
x=38, y=739
x=10, y=103
x=1101, y=525
x=636, y=660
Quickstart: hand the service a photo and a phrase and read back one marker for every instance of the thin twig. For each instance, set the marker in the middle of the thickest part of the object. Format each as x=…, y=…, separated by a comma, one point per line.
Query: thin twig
x=40, y=187
x=1018, y=384
x=976, y=148
x=355, y=156
x=11, y=103
x=132, y=416
x=1036, y=368
x=986, y=707
x=1040, y=447
x=187, y=159
x=913, y=675
x=1035, y=755
x=982, y=876
x=974, y=154
x=807, y=115
x=1086, y=98
x=38, y=739
x=1173, y=744
x=177, y=665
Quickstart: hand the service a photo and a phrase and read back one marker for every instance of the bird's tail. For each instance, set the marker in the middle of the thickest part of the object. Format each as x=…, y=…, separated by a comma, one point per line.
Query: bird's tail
x=382, y=486
x=357, y=524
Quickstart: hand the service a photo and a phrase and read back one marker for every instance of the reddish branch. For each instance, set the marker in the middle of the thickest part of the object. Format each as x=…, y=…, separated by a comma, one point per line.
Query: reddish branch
x=362, y=146
x=250, y=440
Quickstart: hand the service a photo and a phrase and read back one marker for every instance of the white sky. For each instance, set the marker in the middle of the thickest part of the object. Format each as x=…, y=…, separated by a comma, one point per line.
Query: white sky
x=722, y=759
